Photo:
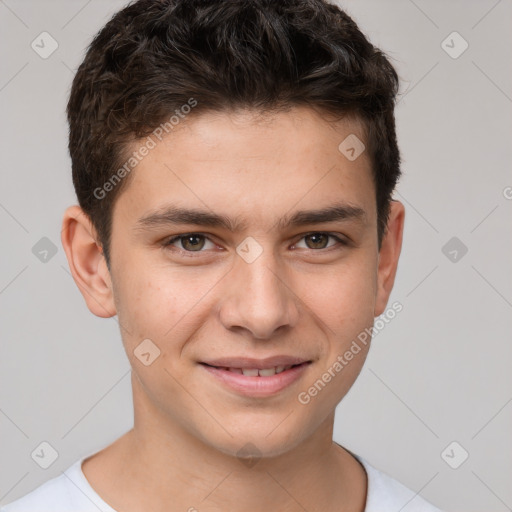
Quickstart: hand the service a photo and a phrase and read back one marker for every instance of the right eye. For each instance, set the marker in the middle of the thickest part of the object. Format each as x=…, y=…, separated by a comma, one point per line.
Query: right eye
x=190, y=242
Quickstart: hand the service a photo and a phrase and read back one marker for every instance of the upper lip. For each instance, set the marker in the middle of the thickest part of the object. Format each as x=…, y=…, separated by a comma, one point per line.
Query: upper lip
x=260, y=364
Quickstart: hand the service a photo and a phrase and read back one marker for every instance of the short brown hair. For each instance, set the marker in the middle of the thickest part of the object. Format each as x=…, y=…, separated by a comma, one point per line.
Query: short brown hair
x=153, y=56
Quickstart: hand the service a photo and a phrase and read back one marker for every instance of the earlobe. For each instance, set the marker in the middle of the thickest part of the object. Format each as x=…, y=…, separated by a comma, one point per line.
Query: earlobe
x=87, y=262
x=388, y=256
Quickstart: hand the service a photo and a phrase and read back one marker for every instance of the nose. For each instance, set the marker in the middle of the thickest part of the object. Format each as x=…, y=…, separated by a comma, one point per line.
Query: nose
x=256, y=298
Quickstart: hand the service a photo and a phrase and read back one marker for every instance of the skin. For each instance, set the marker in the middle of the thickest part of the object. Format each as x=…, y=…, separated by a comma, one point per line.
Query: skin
x=303, y=297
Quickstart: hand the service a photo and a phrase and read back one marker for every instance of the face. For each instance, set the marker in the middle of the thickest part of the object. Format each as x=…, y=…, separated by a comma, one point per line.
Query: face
x=252, y=284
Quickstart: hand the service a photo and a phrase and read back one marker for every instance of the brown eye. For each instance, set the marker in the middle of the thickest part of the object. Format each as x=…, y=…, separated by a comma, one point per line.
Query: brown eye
x=193, y=242
x=318, y=241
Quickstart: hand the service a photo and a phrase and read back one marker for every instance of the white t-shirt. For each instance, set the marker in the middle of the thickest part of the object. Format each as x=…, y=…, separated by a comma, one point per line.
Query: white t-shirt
x=71, y=492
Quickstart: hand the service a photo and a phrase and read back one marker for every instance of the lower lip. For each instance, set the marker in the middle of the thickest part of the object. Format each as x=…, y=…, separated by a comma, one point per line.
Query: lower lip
x=257, y=386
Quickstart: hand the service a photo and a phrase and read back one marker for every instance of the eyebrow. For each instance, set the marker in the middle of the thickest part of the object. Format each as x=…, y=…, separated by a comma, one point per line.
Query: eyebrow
x=173, y=215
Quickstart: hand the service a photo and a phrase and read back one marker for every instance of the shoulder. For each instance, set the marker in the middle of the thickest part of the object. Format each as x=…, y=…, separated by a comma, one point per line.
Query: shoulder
x=68, y=491
x=52, y=495
x=385, y=494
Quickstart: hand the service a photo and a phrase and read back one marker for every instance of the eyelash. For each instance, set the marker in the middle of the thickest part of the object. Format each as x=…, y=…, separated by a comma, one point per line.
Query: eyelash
x=167, y=243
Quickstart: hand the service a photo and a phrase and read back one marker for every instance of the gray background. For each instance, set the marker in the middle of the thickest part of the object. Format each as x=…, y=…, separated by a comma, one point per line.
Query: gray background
x=438, y=373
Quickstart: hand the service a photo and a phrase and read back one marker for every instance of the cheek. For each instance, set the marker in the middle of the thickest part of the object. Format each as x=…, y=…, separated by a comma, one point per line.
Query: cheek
x=145, y=303
x=343, y=297
x=161, y=303
x=343, y=302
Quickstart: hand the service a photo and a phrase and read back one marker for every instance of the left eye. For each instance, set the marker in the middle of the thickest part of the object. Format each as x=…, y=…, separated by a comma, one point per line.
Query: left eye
x=318, y=240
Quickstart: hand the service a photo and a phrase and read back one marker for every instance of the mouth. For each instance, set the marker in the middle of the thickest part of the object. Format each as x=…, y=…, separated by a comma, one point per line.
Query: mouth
x=256, y=379
x=258, y=372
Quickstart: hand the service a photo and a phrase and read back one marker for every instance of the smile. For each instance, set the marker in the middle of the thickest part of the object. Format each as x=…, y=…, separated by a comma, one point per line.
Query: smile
x=257, y=382
x=255, y=372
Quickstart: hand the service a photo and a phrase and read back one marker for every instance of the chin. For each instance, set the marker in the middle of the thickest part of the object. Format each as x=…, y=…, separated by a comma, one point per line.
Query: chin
x=256, y=442
x=249, y=449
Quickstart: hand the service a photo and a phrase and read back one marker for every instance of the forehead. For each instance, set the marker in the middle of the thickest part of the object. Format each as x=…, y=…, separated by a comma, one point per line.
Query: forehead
x=250, y=164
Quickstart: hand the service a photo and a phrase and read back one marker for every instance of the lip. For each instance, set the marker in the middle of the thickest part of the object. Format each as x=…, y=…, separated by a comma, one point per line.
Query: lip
x=260, y=364
x=257, y=386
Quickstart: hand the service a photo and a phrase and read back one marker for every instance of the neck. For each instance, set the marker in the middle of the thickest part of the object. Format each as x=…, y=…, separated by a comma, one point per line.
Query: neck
x=162, y=466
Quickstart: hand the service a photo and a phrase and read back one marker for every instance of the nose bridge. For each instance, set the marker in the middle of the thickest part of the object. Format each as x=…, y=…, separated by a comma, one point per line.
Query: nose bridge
x=258, y=299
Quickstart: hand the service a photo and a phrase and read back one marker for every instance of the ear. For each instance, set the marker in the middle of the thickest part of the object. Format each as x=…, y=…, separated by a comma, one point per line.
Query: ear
x=388, y=256
x=87, y=262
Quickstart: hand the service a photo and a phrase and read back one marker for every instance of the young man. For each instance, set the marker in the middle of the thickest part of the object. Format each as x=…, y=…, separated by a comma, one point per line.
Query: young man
x=234, y=163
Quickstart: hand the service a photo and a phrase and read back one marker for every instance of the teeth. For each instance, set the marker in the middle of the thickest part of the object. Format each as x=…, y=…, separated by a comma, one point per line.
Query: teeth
x=254, y=372
x=250, y=372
